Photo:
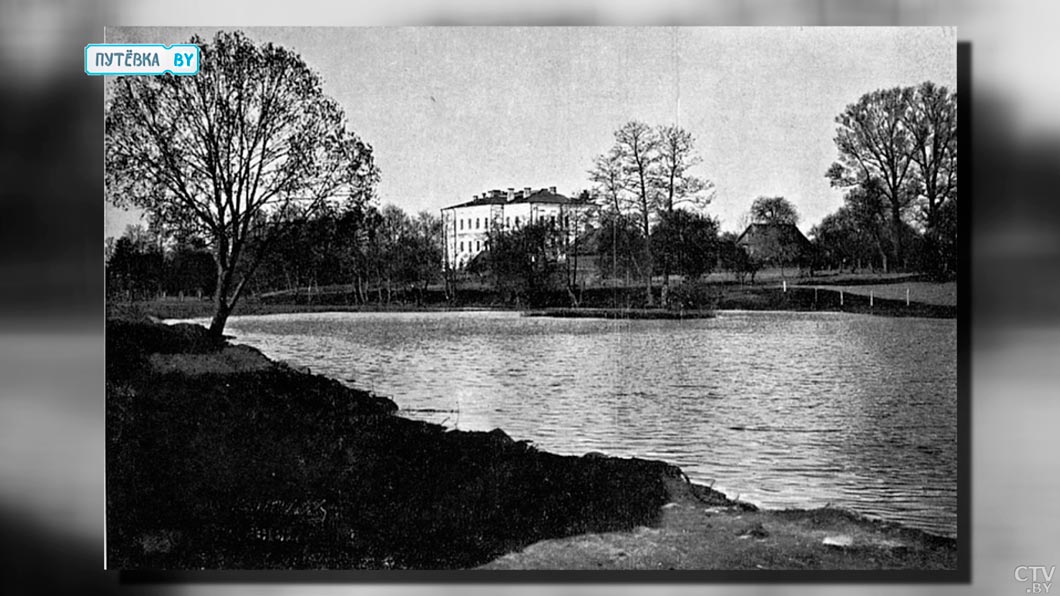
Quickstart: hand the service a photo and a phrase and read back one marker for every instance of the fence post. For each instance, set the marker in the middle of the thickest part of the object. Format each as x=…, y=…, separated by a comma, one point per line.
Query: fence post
x=785, y=282
x=907, y=296
x=870, y=298
x=840, y=297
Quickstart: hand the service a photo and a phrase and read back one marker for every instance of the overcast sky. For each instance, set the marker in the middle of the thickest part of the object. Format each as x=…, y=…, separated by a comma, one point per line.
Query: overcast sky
x=452, y=112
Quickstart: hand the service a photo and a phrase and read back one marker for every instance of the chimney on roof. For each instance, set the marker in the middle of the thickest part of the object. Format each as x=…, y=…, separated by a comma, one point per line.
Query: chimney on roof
x=526, y=192
x=552, y=189
x=511, y=194
x=474, y=197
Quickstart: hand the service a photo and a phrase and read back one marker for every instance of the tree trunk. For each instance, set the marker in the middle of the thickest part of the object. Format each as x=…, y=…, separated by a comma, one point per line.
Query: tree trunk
x=220, y=316
x=576, y=265
x=222, y=308
x=896, y=224
x=614, y=260
x=648, y=255
x=666, y=249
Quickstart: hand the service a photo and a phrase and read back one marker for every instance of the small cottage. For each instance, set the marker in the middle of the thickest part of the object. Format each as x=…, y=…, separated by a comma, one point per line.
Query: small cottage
x=775, y=244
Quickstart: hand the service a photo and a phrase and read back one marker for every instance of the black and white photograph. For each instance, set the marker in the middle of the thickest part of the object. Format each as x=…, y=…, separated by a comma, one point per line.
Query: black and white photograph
x=609, y=299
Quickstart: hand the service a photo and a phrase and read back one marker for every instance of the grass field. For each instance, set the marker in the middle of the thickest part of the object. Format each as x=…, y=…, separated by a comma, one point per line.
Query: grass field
x=939, y=294
x=477, y=294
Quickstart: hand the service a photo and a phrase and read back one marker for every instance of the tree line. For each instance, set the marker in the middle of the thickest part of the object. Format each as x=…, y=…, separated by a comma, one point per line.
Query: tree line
x=250, y=164
x=374, y=253
x=897, y=163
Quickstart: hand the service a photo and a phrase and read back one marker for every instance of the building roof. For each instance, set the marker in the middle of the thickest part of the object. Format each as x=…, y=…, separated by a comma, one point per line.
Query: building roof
x=491, y=200
x=774, y=239
x=778, y=231
x=542, y=196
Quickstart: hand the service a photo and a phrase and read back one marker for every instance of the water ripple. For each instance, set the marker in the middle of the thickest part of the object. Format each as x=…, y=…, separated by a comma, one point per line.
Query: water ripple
x=784, y=409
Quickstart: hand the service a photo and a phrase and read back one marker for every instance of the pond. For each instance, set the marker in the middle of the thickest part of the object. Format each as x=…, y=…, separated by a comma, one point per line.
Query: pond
x=781, y=409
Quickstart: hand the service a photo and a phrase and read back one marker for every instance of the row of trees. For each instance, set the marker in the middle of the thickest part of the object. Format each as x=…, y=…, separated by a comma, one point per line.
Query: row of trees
x=525, y=264
x=898, y=163
x=143, y=264
x=373, y=250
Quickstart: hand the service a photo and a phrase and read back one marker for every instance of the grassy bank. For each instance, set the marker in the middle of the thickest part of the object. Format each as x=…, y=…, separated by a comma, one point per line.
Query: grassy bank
x=620, y=313
x=936, y=294
x=854, y=299
x=835, y=294
x=174, y=309
x=220, y=458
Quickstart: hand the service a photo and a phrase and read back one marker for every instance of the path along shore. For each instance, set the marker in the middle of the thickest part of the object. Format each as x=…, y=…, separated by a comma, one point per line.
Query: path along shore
x=219, y=458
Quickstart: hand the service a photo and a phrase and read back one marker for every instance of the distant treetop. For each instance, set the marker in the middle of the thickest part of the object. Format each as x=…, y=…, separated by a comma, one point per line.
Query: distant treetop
x=774, y=210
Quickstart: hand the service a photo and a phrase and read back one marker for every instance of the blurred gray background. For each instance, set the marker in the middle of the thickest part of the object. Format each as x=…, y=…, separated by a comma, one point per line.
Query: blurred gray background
x=51, y=268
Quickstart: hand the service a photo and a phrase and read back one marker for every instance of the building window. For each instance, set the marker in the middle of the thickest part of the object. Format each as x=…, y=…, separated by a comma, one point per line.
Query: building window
x=517, y=221
x=461, y=247
x=507, y=222
x=552, y=220
x=478, y=245
x=461, y=224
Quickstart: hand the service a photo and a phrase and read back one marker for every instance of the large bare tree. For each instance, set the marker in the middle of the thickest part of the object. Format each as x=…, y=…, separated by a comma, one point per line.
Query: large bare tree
x=222, y=152
x=647, y=173
x=637, y=146
x=680, y=187
x=677, y=156
x=608, y=190
x=874, y=143
x=932, y=122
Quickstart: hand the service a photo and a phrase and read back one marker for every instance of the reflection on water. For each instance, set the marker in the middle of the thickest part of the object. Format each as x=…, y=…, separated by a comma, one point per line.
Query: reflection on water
x=780, y=409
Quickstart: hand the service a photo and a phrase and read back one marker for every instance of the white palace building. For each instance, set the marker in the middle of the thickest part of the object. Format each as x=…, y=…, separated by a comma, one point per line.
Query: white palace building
x=466, y=227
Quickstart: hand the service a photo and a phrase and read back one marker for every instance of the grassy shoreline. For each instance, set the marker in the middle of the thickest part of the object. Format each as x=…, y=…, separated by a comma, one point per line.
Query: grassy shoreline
x=887, y=299
x=620, y=313
x=220, y=458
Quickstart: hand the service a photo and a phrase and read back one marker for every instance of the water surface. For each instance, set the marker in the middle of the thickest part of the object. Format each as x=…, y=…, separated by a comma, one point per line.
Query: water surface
x=782, y=409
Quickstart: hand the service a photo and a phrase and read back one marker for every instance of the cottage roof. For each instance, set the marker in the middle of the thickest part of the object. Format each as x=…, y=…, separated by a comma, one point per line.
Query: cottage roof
x=773, y=232
x=775, y=242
